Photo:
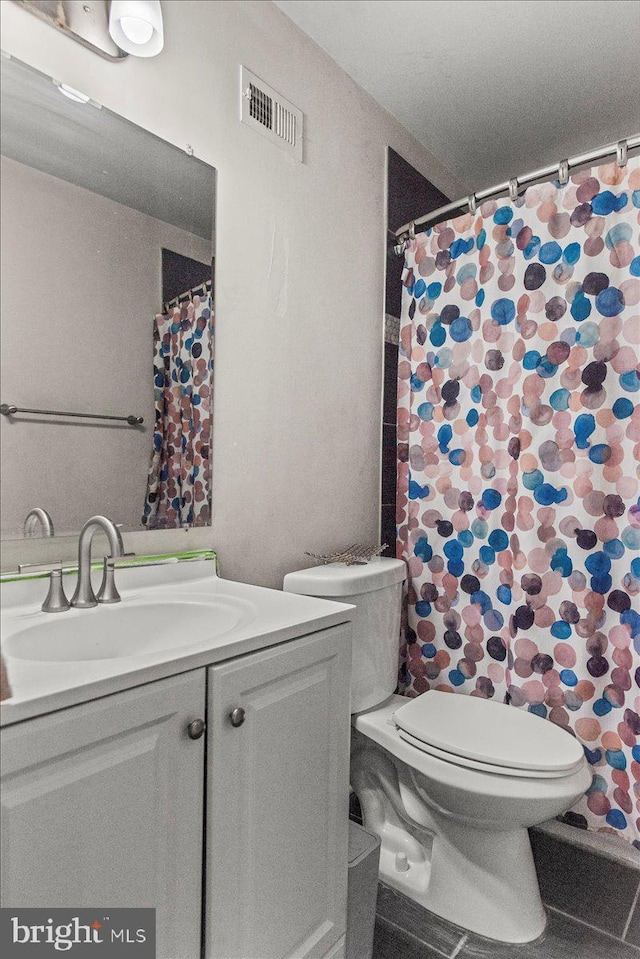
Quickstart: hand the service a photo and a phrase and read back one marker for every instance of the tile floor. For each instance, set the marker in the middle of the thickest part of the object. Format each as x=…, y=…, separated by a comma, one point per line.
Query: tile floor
x=404, y=930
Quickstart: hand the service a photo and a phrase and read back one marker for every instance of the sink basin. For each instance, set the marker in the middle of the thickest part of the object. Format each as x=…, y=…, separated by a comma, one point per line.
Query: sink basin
x=124, y=630
x=174, y=617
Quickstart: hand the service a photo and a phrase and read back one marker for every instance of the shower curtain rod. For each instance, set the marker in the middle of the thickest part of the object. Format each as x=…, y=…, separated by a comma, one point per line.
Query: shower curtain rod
x=207, y=285
x=619, y=150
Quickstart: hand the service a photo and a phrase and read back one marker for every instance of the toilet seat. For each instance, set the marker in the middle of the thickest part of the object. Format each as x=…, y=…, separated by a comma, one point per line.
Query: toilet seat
x=487, y=736
x=486, y=767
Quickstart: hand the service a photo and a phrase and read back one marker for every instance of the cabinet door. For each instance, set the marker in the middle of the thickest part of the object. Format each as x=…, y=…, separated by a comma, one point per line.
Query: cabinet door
x=102, y=805
x=277, y=798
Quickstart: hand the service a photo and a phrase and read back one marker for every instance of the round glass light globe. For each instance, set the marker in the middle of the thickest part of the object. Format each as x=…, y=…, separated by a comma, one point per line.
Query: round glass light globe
x=136, y=30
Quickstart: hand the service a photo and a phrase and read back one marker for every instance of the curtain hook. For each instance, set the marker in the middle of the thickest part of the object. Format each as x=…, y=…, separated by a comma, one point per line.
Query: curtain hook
x=471, y=201
x=513, y=189
x=563, y=172
x=622, y=151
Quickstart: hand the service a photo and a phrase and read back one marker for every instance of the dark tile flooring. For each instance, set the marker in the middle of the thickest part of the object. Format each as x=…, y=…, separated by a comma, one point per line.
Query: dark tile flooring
x=404, y=930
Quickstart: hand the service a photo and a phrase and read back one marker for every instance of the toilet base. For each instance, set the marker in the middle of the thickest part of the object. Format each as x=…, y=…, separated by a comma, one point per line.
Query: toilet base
x=479, y=878
x=482, y=881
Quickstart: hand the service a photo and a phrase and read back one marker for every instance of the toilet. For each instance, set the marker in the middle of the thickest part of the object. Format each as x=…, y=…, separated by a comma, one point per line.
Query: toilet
x=450, y=783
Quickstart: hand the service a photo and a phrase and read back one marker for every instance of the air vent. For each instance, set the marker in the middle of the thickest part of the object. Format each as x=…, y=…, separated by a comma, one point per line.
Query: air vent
x=265, y=110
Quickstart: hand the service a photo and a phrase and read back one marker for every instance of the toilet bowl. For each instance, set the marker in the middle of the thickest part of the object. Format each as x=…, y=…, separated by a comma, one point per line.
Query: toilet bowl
x=450, y=783
x=453, y=829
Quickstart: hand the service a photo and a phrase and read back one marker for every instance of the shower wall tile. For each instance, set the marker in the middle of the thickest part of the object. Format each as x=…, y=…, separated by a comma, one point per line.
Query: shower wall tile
x=409, y=195
x=391, y=329
x=593, y=888
x=389, y=406
x=632, y=933
x=388, y=465
x=388, y=529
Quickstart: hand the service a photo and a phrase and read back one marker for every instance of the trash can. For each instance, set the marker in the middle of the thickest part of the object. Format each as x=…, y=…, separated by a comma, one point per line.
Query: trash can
x=364, y=857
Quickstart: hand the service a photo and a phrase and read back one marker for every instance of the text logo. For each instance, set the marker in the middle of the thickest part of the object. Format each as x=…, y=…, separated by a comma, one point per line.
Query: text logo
x=80, y=933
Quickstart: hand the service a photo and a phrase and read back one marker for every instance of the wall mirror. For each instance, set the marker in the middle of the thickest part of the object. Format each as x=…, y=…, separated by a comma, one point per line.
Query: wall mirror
x=107, y=311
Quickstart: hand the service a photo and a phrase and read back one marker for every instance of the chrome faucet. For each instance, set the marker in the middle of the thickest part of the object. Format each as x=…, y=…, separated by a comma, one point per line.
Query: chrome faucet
x=84, y=596
x=37, y=517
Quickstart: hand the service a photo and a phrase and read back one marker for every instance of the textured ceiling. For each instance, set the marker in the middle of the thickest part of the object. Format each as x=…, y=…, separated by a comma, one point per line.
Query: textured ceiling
x=493, y=88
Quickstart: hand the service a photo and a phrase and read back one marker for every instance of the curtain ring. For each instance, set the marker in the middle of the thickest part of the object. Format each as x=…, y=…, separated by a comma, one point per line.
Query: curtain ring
x=513, y=189
x=563, y=172
x=471, y=200
x=412, y=231
x=622, y=153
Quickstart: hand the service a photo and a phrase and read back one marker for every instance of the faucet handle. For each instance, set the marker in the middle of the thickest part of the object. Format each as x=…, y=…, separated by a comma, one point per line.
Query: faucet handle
x=56, y=601
x=108, y=593
x=114, y=562
x=49, y=567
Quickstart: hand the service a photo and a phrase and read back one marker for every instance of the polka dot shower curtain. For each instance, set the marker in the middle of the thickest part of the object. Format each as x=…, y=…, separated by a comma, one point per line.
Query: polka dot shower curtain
x=518, y=448
x=179, y=482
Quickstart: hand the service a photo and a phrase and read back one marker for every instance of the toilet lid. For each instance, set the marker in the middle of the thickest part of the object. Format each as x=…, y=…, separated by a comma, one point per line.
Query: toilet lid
x=487, y=732
x=492, y=768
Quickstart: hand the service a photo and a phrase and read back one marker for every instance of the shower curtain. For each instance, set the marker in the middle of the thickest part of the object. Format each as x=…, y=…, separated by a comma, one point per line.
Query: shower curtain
x=179, y=481
x=518, y=447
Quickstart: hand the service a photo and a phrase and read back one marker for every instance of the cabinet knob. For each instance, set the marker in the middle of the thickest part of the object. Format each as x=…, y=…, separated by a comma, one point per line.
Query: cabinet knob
x=237, y=716
x=196, y=728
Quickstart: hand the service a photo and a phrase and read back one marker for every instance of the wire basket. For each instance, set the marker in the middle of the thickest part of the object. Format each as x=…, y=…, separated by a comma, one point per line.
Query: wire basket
x=354, y=555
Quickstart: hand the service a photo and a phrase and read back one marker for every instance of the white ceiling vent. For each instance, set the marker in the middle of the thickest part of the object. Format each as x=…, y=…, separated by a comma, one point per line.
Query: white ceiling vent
x=265, y=110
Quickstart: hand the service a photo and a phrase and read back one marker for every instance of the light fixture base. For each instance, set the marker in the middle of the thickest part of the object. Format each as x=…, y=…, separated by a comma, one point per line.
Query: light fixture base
x=86, y=21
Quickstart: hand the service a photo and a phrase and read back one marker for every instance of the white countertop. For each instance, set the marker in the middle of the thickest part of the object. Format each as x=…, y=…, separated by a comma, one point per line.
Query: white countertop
x=268, y=617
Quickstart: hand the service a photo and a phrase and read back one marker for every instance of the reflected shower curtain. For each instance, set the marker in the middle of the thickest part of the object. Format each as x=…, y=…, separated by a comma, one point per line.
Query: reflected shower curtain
x=179, y=481
x=518, y=448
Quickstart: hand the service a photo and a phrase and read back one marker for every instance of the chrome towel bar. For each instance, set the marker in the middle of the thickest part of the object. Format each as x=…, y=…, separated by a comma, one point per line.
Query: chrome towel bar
x=8, y=410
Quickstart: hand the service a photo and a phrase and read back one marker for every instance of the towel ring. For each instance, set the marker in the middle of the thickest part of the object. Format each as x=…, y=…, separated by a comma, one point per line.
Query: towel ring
x=622, y=153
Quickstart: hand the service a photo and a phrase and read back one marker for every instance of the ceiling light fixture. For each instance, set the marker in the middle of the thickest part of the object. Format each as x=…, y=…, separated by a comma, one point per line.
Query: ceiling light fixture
x=136, y=26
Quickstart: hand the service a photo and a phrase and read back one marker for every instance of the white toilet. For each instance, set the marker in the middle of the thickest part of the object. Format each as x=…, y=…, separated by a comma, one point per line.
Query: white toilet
x=449, y=782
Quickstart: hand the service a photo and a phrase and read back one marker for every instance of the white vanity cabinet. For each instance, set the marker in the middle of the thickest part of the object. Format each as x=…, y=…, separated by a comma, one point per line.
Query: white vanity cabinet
x=103, y=804
x=277, y=799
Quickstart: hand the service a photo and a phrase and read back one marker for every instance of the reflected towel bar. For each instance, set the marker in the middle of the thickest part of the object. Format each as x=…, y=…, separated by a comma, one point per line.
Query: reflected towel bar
x=8, y=410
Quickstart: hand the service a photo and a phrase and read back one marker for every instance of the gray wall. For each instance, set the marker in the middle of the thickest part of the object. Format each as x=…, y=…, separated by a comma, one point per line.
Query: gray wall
x=81, y=283
x=300, y=253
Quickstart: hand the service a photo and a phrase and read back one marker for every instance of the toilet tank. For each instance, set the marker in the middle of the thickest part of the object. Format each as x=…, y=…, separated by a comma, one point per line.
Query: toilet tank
x=375, y=589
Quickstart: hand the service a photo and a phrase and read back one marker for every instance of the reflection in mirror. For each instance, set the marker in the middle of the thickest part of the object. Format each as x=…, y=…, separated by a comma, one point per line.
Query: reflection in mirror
x=107, y=313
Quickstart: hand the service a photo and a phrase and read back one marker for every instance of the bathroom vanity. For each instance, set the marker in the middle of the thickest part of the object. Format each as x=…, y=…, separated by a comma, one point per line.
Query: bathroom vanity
x=202, y=774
